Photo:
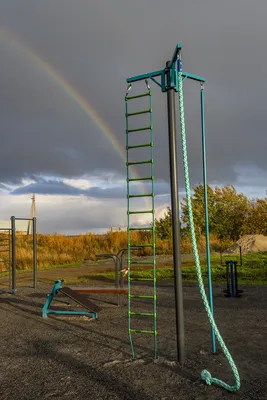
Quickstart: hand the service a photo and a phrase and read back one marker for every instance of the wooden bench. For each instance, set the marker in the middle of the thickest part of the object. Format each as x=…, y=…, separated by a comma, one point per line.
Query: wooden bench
x=96, y=289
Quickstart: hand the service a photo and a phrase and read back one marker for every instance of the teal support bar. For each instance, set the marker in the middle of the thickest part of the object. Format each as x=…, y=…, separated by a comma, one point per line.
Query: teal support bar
x=204, y=162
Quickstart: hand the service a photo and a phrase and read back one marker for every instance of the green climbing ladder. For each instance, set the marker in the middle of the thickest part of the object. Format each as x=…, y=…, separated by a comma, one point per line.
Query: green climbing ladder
x=149, y=315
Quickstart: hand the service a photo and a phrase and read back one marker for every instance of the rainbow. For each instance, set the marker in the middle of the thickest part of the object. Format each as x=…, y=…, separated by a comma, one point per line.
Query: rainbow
x=71, y=92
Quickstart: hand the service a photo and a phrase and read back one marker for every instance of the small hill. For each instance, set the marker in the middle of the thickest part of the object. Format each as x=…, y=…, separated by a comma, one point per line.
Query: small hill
x=249, y=244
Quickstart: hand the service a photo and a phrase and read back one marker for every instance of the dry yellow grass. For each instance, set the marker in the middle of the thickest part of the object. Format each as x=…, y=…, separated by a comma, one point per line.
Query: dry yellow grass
x=59, y=249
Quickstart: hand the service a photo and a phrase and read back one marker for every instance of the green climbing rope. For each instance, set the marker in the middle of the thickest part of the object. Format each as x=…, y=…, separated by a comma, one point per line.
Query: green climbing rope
x=205, y=375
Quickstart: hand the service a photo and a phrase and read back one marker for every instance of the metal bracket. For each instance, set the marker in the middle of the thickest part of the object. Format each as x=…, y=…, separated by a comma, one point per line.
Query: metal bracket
x=162, y=73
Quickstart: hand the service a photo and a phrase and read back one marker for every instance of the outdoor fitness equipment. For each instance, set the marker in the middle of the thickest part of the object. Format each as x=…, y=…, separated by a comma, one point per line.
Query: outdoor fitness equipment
x=80, y=299
x=77, y=293
x=172, y=78
x=232, y=276
x=232, y=280
x=9, y=246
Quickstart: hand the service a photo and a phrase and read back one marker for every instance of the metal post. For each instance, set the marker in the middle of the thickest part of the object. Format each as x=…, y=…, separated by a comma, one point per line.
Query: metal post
x=227, y=291
x=34, y=252
x=232, y=279
x=204, y=163
x=13, y=255
x=178, y=287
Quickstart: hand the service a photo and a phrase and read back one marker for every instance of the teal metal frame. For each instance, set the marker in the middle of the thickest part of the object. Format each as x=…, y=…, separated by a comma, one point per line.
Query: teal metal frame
x=169, y=80
x=46, y=311
x=163, y=73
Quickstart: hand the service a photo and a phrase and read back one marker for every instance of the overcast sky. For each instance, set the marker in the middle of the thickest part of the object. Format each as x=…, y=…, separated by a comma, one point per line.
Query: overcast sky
x=52, y=147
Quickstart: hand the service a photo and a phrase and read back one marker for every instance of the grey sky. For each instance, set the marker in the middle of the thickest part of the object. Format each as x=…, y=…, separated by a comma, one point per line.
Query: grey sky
x=95, y=45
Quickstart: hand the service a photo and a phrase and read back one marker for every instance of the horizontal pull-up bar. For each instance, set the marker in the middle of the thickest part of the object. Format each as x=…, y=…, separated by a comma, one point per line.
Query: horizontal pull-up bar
x=159, y=73
x=24, y=219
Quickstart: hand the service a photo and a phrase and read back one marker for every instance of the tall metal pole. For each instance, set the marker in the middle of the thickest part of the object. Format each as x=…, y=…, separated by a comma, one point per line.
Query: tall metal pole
x=34, y=252
x=179, y=308
x=204, y=163
x=13, y=256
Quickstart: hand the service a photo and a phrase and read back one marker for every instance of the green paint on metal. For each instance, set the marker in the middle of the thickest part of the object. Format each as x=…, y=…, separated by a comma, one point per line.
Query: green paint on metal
x=139, y=162
x=148, y=228
x=138, y=96
x=131, y=196
x=141, y=212
x=143, y=331
x=139, y=112
x=151, y=210
x=145, y=128
x=142, y=262
x=141, y=245
x=149, y=178
x=143, y=314
x=139, y=145
x=141, y=279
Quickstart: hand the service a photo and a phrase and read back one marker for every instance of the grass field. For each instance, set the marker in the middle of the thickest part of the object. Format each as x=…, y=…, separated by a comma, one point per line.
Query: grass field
x=252, y=271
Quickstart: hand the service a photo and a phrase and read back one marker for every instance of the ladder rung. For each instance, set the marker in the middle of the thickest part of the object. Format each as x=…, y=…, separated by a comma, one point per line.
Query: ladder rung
x=145, y=128
x=135, y=296
x=141, y=229
x=149, y=178
x=141, y=212
x=130, y=196
x=3, y=260
x=143, y=314
x=142, y=331
x=3, y=245
x=141, y=279
x=151, y=144
x=143, y=262
x=138, y=95
x=141, y=245
x=140, y=162
x=4, y=251
x=139, y=112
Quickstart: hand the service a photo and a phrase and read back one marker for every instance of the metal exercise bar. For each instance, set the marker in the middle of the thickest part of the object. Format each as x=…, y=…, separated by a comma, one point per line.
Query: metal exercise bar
x=13, y=254
x=206, y=209
x=34, y=245
x=23, y=219
x=154, y=74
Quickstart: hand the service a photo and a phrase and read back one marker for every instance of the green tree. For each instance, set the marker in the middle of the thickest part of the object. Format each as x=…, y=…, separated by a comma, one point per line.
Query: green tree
x=227, y=211
x=197, y=200
x=164, y=225
x=256, y=221
x=231, y=209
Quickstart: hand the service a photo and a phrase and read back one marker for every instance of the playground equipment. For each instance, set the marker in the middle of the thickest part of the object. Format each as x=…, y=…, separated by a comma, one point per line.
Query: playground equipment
x=232, y=276
x=5, y=250
x=171, y=81
x=8, y=243
x=232, y=280
x=118, y=263
x=77, y=293
x=92, y=309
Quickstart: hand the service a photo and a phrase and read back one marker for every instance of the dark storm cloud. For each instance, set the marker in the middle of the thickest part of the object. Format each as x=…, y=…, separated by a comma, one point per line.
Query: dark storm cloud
x=51, y=187
x=96, y=45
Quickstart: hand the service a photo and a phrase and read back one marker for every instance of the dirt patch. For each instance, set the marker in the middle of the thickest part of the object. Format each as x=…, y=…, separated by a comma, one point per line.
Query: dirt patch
x=249, y=244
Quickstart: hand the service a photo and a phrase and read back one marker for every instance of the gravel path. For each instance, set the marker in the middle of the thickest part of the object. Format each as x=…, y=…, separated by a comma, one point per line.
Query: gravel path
x=78, y=358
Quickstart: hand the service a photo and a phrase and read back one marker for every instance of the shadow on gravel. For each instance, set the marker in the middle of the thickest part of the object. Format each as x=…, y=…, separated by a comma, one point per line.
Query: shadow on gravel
x=109, y=383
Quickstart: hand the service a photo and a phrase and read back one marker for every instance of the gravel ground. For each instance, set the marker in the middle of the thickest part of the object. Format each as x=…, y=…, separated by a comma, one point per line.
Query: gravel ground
x=78, y=358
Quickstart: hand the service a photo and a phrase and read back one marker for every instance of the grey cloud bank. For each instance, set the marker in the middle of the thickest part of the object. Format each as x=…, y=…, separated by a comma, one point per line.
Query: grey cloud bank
x=95, y=45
